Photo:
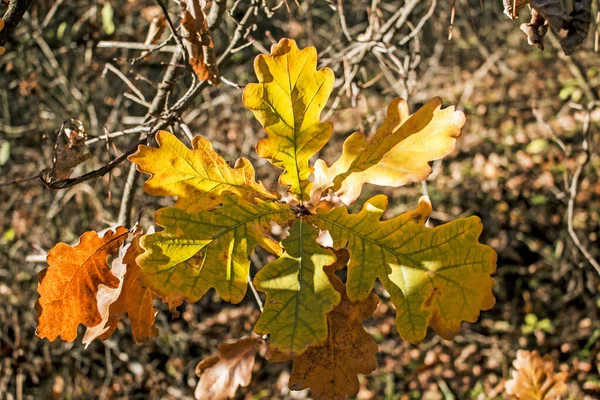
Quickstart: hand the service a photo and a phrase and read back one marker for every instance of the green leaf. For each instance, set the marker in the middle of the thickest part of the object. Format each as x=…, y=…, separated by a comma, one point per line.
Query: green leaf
x=288, y=101
x=206, y=249
x=108, y=25
x=299, y=293
x=436, y=277
x=4, y=153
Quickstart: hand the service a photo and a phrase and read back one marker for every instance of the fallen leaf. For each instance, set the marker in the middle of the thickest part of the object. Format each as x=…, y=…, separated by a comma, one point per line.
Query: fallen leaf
x=534, y=378
x=221, y=375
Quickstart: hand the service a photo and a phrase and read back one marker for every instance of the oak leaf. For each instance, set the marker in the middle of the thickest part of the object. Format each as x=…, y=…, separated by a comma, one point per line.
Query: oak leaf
x=534, y=378
x=288, y=101
x=105, y=297
x=221, y=375
x=398, y=153
x=330, y=369
x=131, y=298
x=198, y=176
x=436, y=277
x=210, y=248
x=299, y=294
x=68, y=287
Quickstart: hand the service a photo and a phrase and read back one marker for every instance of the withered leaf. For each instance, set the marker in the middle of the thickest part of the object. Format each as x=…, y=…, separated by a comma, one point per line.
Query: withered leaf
x=131, y=298
x=330, y=370
x=198, y=41
x=534, y=378
x=222, y=374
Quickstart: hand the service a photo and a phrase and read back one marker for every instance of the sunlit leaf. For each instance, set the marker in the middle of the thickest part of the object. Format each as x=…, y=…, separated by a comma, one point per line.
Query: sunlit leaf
x=534, y=378
x=330, y=369
x=221, y=375
x=199, y=251
x=436, y=277
x=133, y=299
x=398, y=153
x=299, y=294
x=68, y=287
x=288, y=101
x=198, y=176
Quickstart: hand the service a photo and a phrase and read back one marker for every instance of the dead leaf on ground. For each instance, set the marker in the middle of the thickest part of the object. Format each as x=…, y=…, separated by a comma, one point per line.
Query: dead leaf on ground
x=221, y=375
x=534, y=378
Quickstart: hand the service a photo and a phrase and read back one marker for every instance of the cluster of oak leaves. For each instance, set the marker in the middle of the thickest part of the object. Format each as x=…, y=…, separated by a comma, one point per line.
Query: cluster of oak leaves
x=435, y=277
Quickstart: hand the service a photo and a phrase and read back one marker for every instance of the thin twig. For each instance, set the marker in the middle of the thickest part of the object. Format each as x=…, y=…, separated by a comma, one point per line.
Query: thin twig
x=574, y=187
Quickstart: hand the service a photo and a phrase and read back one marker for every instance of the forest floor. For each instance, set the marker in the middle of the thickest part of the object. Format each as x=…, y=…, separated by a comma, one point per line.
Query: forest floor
x=509, y=169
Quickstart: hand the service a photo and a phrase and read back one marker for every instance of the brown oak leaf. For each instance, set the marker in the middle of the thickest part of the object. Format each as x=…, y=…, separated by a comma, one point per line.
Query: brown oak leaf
x=68, y=287
x=131, y=298
x=534, y=378
x=330, y=370
x=198, y=41
x=222, y=374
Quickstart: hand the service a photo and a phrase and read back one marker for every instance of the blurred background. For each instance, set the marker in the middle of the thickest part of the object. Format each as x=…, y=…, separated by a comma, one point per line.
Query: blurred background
x=530, y=114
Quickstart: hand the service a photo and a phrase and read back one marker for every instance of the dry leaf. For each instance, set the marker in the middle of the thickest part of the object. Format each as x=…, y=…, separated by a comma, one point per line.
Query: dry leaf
x=68, y=287
x=198, y=41
x=131, y=298
x=534, y=378
x=221, y=375
x=69, y=155
x=578, y=27
x=106, y=296
x=330, y=370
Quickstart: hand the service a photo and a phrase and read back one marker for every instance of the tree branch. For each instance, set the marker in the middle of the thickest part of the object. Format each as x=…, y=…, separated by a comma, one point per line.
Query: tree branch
x=16, y=10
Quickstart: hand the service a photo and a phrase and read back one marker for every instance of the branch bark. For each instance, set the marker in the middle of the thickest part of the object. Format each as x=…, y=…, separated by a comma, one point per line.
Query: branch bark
x=16, y=10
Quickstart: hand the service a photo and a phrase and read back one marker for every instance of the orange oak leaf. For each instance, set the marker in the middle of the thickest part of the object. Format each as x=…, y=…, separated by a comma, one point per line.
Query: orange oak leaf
x=132, y=298
x=68, y=287
x=221, y=375
x=534, y=378
x=330, y=370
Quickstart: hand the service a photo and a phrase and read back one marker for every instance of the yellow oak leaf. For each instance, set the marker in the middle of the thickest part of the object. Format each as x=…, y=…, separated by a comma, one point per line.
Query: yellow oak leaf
x=534, y=378
x=299, y=294
x=288, y=101
x=68, y=287
x=221, y=375
x=437, y=277
x=330, y=369
x=210, y=248
x=198, y=176
x=398, y=153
